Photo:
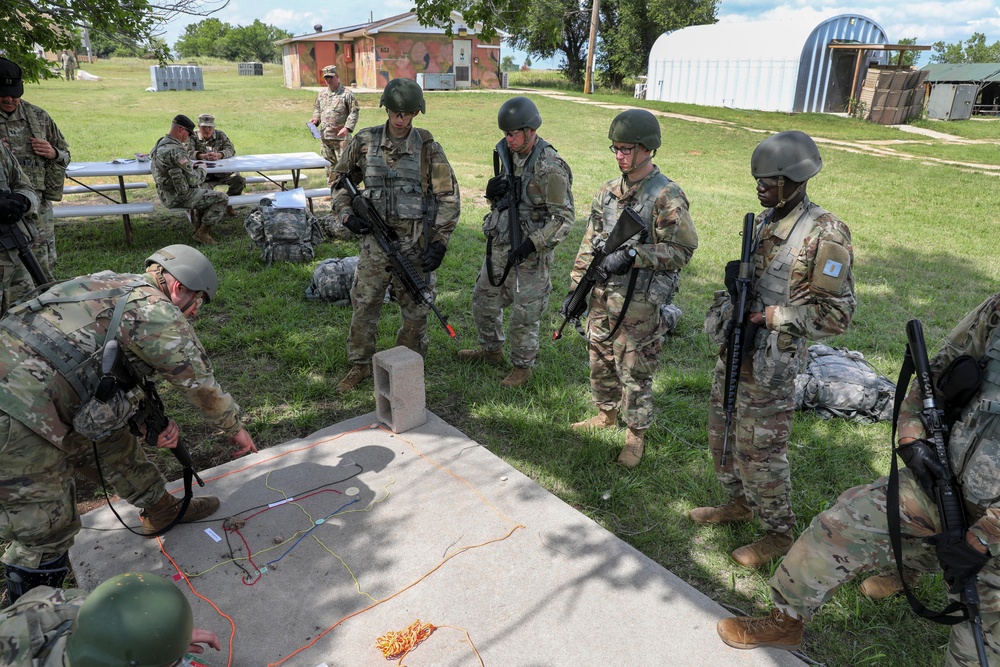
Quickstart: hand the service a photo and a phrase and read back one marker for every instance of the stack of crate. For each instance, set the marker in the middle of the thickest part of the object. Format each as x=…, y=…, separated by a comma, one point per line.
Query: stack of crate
x=893, y=95
x=250, y=69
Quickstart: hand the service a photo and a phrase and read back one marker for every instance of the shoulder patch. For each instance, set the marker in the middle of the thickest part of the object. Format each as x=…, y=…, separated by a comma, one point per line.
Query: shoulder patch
x=833, y=264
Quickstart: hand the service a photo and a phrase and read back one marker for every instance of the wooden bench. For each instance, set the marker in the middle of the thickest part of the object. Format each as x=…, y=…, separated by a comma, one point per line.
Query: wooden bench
x=101, y=187
x=84, y=211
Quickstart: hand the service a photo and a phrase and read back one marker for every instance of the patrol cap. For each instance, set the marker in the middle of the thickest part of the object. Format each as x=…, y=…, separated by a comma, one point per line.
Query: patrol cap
x=191, y=268
x=11, y=82
x=206, y=120
x=184, y=122
x=329, y=70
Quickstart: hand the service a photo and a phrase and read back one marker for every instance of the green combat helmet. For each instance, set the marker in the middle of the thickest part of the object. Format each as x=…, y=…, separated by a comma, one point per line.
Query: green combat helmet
x=135, y=619
x=191, y=268
x=636, y=126
x=791, y=154
x=403, y=95
x=518, y=113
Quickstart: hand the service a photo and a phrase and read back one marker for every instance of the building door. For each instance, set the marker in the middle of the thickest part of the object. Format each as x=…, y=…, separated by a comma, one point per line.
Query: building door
x=463, y=63
x=838, y=94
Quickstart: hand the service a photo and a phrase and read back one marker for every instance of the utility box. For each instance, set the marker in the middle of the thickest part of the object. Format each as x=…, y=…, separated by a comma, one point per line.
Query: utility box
x=250, y=69
x=436, y=81
x=952, y=101
x=176, y=77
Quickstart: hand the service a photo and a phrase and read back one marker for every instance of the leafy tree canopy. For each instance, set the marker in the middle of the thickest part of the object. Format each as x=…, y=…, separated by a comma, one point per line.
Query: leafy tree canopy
x=973, y=50
x=212, y=37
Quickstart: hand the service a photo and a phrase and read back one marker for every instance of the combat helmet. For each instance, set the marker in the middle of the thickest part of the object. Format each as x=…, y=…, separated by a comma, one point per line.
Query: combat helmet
x=403, y=95
x=636, y=126
x=791, y=154
x=191, y=268
x=518, y=113
x=135, y=619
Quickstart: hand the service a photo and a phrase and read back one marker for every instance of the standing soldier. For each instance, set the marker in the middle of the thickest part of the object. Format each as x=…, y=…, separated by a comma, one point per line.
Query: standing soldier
x=210, y=144
x=178, y=179
x=803, y=289
x=68, y=59
x=544, y=204
x=409, y=181
x=648, y=268
x=43, y=154
x=17, y=199
x=335, y=113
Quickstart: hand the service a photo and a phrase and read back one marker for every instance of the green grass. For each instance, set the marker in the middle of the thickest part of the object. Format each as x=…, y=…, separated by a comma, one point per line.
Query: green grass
x=924, y=237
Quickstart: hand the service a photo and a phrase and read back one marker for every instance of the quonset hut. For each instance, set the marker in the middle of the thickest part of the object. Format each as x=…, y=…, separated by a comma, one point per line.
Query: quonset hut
x=763, y=65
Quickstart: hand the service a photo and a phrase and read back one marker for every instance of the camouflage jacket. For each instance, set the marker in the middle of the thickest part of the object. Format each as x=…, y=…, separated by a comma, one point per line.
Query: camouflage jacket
x=17, y=128
x=217, y=143
x=154, y=334
x=820, y=292
x=13, y=179
x=173, y=171
x=34, y=630
x=672, y=236
x=335, y=109
x=435, y=170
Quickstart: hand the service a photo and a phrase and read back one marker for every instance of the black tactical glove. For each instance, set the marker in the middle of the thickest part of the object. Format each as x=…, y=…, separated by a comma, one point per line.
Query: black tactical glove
x=521, y=253
x=13, y=205
x=564, y=308
x=959, y=562
x=619, y=262
x=732, y=273
x=357, y=224
x=433, y=255
x=497, y=188
x=921, y=458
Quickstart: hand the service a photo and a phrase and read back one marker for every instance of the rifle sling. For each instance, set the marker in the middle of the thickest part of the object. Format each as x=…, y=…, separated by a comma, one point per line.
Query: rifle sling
x=625, y=304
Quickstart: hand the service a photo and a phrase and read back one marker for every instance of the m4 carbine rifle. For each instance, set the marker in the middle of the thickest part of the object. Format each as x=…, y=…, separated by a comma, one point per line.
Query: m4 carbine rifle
x=629, y=224
x=399, y=264
x=12, y=238
x=503, y=163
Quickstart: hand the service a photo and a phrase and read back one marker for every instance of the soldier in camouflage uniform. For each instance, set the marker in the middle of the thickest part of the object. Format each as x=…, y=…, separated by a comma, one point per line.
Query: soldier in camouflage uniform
x=17, y=199
x=852, y=537
x=335, y=113
x=803, y=289
x=68, y=59
x=43, y=154
x=409, y=181
x=137, y=619
x=178, y=179
x=545, y=214
x=621, y=369
x=50, y=368
x=210, y=144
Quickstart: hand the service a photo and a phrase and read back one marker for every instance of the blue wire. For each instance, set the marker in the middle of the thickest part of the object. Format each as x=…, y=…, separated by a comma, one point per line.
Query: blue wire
x=306, y=534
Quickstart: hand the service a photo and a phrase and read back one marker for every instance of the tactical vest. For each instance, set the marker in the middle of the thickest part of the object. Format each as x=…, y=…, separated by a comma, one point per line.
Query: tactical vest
x=36, y=627
x=974, y=445
x=46, y=176
x=657, y=286
x=395, y=192
x=532, y=217
x=771, y=288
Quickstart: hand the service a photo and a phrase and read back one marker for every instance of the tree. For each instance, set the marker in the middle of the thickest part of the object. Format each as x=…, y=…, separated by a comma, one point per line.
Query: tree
x=53, y=25
x=908, y=58
x=974, y=50
x=254, y=43
x=202, y=39
x=507, y=64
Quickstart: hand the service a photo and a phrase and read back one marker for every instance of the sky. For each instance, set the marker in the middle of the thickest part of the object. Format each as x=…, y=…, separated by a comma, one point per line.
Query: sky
x=928, y=21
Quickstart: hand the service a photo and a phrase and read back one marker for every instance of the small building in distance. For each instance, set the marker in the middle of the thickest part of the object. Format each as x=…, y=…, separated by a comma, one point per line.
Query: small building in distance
x=369, y=55
x=960, y=91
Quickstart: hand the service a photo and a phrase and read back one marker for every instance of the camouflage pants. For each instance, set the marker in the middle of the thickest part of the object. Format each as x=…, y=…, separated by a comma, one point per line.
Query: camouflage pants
x=621, y=369
x=367, y=295
x=210, y=203
x=332, y=150
x=527, y=294
x=852, y=538
x=38, y=514
x=757, y=462
x=14, y=279
x=44, y=245
x=234, y=181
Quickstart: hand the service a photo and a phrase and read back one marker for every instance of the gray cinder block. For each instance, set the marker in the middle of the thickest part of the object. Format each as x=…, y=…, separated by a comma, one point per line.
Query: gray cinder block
x=400, y=398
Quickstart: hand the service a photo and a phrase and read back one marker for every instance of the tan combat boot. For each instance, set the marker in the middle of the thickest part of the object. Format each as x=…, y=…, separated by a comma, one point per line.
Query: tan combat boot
x=603, y=419
x=494, y=357
x=764, y=550
x=354, y=377
x=163, y=511
x=779, y=630
x=230, y=212
x=634, y=447
x=516, y=378
x=732, y=512
x=881, y=586
x=201, y=234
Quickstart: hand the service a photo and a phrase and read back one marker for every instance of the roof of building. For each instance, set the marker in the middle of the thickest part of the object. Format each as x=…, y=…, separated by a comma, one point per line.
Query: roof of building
x=958, y=73
x=348, y=33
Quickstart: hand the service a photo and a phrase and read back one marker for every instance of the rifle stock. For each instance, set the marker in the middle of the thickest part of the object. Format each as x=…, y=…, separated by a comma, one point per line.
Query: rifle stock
x=12, y=238
x=629, y=224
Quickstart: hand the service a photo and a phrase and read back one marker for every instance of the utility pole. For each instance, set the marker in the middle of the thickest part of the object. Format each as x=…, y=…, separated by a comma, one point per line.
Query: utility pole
x=588, y=77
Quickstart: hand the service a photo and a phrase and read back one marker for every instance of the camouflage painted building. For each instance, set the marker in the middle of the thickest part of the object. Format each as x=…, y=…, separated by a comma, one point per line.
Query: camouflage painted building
x=369, y=55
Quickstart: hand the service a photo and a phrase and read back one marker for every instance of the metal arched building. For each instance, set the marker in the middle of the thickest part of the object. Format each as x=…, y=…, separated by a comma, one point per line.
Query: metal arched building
x=763, y=65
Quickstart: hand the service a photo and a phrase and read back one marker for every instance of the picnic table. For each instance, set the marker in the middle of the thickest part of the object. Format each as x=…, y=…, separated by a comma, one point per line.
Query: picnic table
x=123, y=168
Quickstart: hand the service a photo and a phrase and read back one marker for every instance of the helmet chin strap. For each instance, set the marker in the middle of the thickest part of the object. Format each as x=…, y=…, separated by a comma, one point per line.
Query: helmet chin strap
x=784, y=200
x=642, y=164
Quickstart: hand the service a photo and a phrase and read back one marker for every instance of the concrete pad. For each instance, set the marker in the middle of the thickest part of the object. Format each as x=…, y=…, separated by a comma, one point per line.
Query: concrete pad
x=380, y=530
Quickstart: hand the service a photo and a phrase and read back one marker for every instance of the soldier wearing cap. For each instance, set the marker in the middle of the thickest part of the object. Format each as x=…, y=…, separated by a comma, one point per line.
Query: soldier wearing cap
x=210, y=144
x=802, y=289
x=179, y=179
x=409, y=181
x=43, y=154
x=50, y=417
x=335, y=113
